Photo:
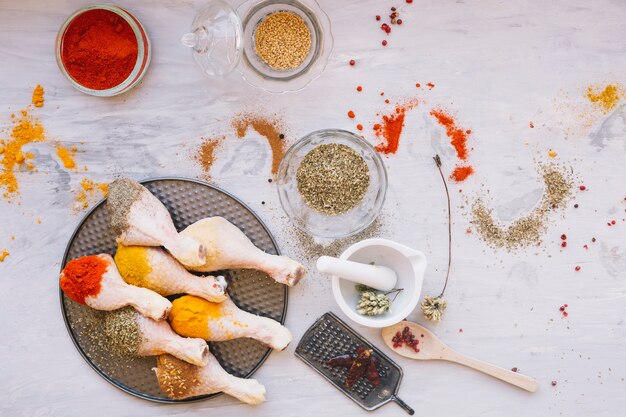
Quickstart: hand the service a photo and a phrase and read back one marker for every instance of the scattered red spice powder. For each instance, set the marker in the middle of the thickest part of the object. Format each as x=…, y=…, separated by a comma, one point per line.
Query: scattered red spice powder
x=418, y=85
x=351, y=114
x=430, y=86
x=532, y=126
x=460, y=173
x=387, y=100
x=562, y=310
x=458, y=137
x=359, y=126
x=391, y=128
x=359, y=88
x=577, y=268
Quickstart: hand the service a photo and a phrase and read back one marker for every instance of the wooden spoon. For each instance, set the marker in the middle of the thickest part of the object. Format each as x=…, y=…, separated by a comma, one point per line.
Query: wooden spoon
x=431, y=348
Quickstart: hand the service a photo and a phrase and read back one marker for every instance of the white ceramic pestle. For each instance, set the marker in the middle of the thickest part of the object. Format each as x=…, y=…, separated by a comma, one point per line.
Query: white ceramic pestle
x=375, y=276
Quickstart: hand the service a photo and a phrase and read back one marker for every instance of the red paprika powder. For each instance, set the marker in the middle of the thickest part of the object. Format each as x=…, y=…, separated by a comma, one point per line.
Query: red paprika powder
x=99, y=49
x=81, y=277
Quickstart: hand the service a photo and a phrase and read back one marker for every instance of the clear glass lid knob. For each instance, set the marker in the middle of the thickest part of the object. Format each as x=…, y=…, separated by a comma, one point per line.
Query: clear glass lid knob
x=216, y=38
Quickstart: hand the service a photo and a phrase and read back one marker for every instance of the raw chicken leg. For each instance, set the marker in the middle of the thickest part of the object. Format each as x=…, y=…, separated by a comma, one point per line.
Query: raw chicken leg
x=181, y=380
x=128, y=332
x=227, y=248
x=109, y=291
x=195, y=317
x=155, y=269
x=139, y=218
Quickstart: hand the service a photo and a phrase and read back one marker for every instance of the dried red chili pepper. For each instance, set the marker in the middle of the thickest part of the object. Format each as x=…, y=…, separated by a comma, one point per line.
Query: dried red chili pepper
x=358, y=368
x=372, y=374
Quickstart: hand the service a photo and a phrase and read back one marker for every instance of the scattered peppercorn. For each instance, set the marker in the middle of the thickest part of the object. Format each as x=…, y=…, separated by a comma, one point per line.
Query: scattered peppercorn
x=612, y=221
x=399, y=21
x=563, y=244
x=563, y=236
x=281, y=136
x=405, y=338
x=577, y=268
x=409, y=1
x=418, y=85
x=352, y=62
x=384, y=43
x=359, y=126
x=575, y=205
x=263, y=202
x=554, y=383
x=359, y=88
x=269, y=180
x=593, y=239
x=514, y=369
x=377, y=17
x=582, y=188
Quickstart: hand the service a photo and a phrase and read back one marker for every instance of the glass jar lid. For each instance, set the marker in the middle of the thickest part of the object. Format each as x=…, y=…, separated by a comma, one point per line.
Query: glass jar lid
x=216, y=38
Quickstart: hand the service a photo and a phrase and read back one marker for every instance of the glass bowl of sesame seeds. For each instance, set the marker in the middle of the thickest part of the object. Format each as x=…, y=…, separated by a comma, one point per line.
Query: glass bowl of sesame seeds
x=332, y=183
x=286, y=43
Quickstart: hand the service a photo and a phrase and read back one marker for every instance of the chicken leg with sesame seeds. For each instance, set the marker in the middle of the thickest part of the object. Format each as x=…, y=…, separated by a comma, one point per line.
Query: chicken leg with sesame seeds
x=180, y=380
x=229, y=248
x=157, y=270
x=128, y=332
x=109, y=292
x=139, y=218
x=195, y=317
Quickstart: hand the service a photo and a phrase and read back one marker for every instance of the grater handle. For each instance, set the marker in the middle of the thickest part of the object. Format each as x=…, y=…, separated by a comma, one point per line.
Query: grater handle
x=402, y=404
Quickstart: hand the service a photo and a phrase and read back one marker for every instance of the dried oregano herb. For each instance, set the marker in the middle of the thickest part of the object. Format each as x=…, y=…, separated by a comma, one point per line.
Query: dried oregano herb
x=333, y=178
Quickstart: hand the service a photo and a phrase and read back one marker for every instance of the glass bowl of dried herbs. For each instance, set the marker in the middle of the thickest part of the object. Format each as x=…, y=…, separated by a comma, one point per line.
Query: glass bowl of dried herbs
x=332, y=184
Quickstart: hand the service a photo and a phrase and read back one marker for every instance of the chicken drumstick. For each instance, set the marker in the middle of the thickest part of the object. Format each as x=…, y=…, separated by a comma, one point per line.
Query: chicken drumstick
x=195, y=317
x=155, y=269
x=228, y=248
x=95, y=281
x=139, y=218
x=181, y=380
x=130, y=333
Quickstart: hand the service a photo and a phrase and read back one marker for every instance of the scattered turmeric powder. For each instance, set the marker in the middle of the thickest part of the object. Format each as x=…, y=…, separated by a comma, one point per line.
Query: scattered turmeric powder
x=25, y=130
x=88, y=192
x=67, y=156
x=607, y=98
x=38, y=96
x=3, y=255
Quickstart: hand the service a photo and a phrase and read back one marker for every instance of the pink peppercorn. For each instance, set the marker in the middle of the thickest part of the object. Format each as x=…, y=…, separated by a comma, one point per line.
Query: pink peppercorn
x=577, y=268
x=582, y=188
x=377, y=17
x=352, y=62
x=399, y=21
x=563, y=244
x=384, y=43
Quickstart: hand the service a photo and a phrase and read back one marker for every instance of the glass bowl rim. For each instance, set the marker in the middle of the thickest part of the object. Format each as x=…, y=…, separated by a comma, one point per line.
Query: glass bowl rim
x=144, y=51
x=377, y=159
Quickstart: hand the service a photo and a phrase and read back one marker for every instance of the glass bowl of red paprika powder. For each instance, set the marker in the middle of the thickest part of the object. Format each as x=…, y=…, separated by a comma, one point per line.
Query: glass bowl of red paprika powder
x=102, y=50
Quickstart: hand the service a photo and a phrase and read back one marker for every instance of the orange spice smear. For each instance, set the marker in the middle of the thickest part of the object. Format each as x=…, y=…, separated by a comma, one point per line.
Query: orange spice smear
x=461, y=173
x=391, y=127
x=458, y=138
x=3, y=255
x=67, y=156
x=89, y=191
x=269, y=128
x=25, y=129
x=38, y=96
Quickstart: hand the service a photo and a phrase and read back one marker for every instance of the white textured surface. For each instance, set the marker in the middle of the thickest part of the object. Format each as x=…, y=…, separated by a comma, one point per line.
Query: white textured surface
x=498, y=65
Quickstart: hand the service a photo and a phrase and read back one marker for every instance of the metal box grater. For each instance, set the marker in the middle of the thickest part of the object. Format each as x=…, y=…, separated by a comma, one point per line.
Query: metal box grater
x=329, y=337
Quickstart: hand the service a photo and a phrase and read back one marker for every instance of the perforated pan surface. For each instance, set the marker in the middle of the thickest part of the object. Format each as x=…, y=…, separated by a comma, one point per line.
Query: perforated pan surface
x=187, y=201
